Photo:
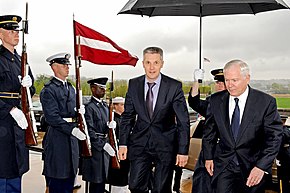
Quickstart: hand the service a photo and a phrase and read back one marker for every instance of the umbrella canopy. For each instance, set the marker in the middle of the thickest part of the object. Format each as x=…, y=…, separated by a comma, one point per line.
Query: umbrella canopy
x=200, y=8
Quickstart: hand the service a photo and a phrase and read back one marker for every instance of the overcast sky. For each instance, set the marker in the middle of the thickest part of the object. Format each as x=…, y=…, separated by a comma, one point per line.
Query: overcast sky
x=262, y=40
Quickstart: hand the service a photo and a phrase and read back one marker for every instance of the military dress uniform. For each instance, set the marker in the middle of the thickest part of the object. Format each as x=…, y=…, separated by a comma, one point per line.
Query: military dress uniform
x=14, y=154
x=95, y=168
x=61, y=150
x=119, y=177
x=201, y=180
x=283, y=169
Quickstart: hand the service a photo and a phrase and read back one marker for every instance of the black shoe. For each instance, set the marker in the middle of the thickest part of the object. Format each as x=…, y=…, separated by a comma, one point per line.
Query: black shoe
x=77, y=186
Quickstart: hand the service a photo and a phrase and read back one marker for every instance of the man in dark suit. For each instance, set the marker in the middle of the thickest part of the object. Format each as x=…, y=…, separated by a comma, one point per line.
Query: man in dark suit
x=154, y=129
x=242, y=133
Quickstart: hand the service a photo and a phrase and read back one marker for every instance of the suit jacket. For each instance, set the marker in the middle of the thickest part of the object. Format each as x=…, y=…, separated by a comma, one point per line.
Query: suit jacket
x=259, y=136
x=169, y=126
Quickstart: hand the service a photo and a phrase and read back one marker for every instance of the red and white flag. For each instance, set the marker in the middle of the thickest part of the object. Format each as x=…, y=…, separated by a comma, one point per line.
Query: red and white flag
x=99, y=49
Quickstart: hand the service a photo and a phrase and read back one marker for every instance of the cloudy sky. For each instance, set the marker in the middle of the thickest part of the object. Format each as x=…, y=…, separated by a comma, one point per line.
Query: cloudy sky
x=261, y=40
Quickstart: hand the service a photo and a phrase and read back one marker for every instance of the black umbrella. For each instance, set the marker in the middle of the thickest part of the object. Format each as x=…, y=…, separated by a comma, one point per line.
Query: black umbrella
x=200, y=8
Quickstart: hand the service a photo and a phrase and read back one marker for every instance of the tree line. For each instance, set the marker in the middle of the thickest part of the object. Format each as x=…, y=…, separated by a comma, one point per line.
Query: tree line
x=120, y=86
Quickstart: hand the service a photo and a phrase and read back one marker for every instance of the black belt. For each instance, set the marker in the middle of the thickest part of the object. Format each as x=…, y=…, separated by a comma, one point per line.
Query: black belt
x=101, y=135
x=10, y=95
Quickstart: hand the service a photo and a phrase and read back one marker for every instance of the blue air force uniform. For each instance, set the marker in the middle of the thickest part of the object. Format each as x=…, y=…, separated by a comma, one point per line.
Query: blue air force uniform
x=14, y=155
x=95, y=169
x=61, y=150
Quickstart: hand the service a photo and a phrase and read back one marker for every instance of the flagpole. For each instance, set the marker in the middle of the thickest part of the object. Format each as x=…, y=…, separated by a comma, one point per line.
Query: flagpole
x=85, y=144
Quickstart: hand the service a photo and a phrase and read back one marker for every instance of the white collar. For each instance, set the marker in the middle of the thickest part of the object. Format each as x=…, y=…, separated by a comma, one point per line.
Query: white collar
x=63, y=81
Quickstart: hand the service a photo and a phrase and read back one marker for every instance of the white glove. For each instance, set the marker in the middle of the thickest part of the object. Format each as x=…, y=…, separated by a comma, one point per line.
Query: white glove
x=26, y=81
x=198, y=74
x=78, y=133
x=112, y=124
x=108, y=148
x=19, y=117
x=82, y=109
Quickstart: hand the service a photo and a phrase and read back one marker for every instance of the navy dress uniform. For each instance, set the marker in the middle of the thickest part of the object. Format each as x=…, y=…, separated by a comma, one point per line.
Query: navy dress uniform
x=118, y=178
x=283, y=157
x=201, y=180
x=95, y=169
x=14, y=154
x=61, y=151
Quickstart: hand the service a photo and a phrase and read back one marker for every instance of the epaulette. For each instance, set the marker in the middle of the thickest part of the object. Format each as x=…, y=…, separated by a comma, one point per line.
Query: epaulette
x=56, y=82
x=48, y=83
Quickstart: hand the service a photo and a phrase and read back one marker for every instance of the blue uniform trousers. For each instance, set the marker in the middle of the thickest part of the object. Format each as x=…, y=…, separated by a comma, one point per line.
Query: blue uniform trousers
x=60, y=185
x=10, y=185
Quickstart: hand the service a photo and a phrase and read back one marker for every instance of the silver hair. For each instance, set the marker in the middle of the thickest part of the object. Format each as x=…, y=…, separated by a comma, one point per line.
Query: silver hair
x=153, y=50
x=245, y=70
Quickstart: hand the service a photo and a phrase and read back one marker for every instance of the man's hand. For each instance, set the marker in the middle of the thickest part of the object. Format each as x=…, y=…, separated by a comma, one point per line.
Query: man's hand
x=198, y=74
x=255, y=177
x=209, y=166
x=26, y=81
x=122, y=152
x=19, y=117
x=78, y=134
x=181, y=160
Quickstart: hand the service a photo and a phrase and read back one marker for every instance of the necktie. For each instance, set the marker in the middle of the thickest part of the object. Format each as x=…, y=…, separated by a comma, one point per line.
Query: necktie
x=149, y=98
x=65, y=85
x=235, y=126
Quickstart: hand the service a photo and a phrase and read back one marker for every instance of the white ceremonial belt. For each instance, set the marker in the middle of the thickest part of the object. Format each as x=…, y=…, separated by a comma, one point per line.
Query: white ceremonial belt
x=69, y=120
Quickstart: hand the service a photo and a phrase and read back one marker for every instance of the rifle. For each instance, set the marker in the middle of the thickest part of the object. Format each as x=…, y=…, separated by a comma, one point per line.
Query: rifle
x=85, y=144
x=115, y=163
x=26, y=101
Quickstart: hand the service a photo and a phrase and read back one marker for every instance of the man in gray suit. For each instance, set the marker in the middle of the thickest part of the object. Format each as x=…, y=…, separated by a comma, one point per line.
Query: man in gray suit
x=154, y=126
x=242, y=133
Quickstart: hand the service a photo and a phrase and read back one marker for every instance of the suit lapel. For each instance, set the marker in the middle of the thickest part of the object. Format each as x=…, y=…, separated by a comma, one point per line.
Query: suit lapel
x=225, y=116
x=248, y=114
x=162, y=94
x=141, y=95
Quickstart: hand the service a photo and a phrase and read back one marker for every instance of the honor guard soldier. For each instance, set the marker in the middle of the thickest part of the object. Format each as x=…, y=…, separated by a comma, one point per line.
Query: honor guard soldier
x=201, y=181
x=118, y=178
x=14, y=154
x=61, y=151
x=283, y=158
x=95, y=169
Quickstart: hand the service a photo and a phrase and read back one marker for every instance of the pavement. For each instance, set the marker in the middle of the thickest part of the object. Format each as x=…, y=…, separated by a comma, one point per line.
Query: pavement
x=34, y=181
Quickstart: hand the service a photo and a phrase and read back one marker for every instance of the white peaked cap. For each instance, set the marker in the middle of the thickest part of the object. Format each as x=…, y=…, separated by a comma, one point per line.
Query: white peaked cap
x=118, y=100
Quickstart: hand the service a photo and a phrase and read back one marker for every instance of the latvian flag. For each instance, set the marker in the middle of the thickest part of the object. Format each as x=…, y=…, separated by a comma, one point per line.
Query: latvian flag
x=99, y=49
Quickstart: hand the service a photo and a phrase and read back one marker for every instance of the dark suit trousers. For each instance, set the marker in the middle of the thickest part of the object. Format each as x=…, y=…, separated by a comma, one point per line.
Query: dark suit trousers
x=231, y=181
x=141, y=172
